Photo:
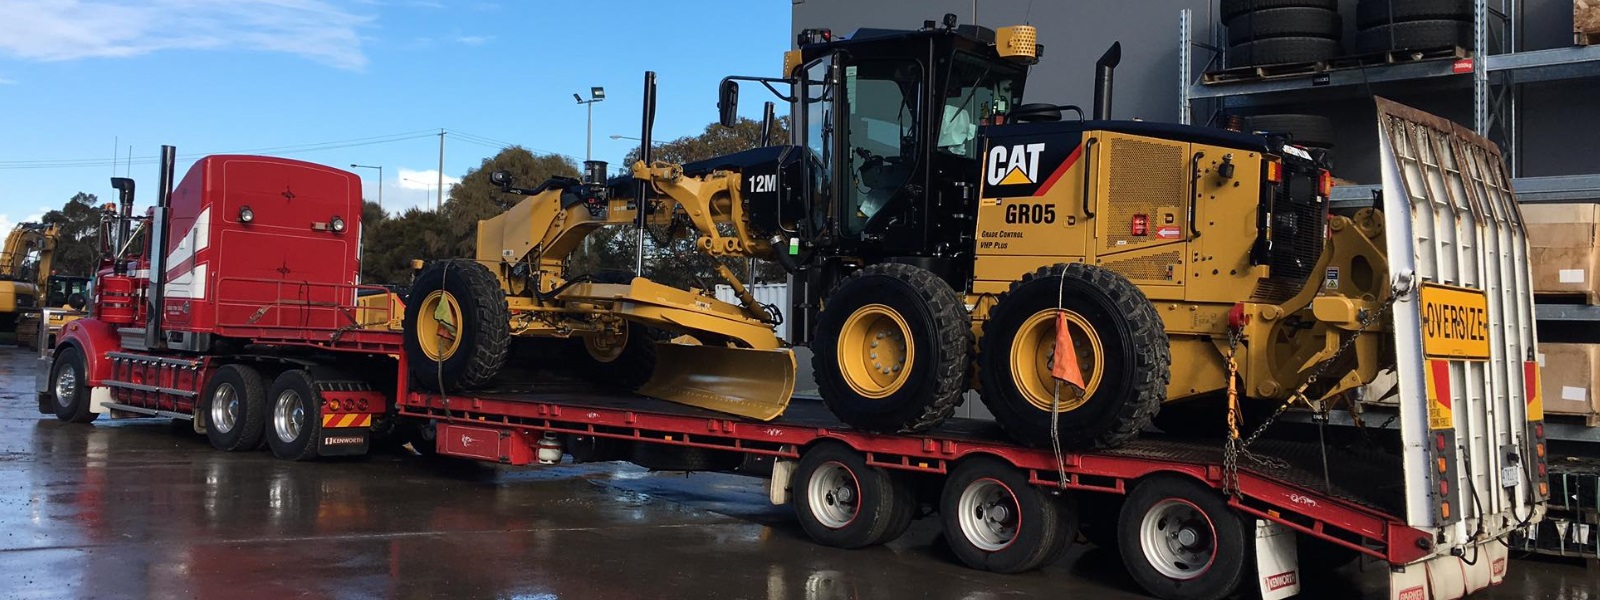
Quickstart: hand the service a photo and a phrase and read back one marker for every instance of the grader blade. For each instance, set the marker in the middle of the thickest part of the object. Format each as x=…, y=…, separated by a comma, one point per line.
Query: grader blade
x=750, y=383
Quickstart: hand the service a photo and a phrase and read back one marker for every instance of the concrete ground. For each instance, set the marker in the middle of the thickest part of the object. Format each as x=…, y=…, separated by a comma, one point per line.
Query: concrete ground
x=142, y=509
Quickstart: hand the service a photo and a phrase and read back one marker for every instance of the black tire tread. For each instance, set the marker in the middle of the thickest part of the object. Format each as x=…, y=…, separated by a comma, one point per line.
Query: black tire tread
x=1306, y=130
x=1372, y=13
x=1234, y=8
x=1414, y=35
x=889, y=516
x=1285, y=22
x=313, y=425
x=1282, y=50
x=252, y=423
x=1152, y=353
x=79, y=411
x=1227, y=522
x=953, y=338
x=1057, y=519
x=488, y=356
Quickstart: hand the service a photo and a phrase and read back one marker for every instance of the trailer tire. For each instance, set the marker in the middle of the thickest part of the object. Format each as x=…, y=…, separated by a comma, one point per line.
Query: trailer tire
x=237, y=423
x=878, y=305
x=995, y=520
x=465, y=291
x=423, y=435
x=69, y=386
x=843, y=502
x=1121, y=333
x=1168, y=525
x=672, y=457
x=295, y=416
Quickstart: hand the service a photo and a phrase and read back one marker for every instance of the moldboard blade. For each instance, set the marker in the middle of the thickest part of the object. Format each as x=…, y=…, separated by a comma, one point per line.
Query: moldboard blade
x=750, y=383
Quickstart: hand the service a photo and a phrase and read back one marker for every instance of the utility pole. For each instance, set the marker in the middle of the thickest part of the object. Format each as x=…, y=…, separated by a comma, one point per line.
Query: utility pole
x=440, y=205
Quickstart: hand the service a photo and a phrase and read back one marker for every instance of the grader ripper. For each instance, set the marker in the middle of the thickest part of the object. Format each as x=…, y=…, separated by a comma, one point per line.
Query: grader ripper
x=942, y=236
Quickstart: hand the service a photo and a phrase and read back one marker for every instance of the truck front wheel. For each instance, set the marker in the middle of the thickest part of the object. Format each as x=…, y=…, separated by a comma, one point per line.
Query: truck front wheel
x=1180, y=540
x=69, y=384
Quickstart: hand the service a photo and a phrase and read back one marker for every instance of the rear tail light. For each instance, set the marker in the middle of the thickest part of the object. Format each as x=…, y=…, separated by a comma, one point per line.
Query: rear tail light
x=1274, y=171
x=1324, y=183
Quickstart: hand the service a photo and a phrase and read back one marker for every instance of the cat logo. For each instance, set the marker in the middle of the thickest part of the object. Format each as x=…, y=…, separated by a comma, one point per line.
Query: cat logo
x=1014, y=165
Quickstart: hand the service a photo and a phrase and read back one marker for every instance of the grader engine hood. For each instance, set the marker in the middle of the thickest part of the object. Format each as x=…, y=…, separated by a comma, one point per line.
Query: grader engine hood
x=1470, y=412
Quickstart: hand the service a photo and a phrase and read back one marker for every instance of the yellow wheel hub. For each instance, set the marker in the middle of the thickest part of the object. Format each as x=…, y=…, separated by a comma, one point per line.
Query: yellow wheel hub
x=607, y=346
x=1033, y=354
x=439, y=325
x=875, y=351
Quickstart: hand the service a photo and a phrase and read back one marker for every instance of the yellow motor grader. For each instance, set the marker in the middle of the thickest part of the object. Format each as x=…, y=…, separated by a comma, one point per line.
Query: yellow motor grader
x=941, y=236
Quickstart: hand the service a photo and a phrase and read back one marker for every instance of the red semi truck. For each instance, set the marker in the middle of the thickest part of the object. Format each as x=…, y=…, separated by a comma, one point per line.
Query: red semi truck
x=235, y=304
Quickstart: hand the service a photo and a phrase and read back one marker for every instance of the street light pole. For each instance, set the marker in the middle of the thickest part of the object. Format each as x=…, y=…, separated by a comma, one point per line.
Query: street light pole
x=596, y=94
x=380, y=179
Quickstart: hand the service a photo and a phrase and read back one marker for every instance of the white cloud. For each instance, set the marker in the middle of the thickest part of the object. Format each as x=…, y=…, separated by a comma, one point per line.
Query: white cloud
x=5, y=81
x=417, y=188
x=55, y=30
x=474, y=40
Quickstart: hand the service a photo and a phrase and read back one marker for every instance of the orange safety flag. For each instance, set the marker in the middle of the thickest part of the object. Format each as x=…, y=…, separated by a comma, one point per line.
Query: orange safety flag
x=1066, y=363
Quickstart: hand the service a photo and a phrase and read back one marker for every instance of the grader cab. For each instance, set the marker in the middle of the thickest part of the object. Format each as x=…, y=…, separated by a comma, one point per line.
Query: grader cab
x=943, y=236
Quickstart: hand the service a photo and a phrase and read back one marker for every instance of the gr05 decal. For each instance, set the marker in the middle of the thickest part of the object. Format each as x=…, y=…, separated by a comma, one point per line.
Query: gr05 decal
x=1026, y=166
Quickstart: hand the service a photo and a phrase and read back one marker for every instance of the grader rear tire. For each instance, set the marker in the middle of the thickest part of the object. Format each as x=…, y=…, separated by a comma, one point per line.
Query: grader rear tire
x=891, y=349
x=1120, y=345
x=457, y=326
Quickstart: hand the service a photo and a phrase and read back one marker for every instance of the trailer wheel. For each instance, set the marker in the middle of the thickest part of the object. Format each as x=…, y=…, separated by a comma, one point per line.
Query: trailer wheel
x=995, y=520
x=234, y=408
x=423, y=435
x=295, y=417
x=890, y=350
x=845, y=503
x=1120, y=346
x=69, y=383
x=1180, y=540
x=458, y=330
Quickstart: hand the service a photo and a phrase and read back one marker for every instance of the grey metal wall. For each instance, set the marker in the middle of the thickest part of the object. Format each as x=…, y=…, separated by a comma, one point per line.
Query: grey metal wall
x=1560, y=122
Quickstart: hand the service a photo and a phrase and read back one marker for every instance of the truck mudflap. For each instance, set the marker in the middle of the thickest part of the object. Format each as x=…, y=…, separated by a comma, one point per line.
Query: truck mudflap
x=1470, y=412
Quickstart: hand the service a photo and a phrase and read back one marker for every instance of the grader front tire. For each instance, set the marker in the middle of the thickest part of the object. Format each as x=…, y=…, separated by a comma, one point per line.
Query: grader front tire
x=457, y=326
x=891, y=349
x=1119, y=343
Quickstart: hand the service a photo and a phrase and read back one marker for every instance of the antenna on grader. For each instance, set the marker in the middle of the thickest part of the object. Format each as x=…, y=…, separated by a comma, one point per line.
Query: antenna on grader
x=642, y=199
x=767, y=121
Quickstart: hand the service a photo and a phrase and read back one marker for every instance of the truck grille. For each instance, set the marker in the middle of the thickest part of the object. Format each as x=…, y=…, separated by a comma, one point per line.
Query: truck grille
x=1299, y=232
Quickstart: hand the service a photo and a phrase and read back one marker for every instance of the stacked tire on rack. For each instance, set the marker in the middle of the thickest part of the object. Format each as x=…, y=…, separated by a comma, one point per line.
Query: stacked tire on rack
x=1390, y=25
x=1311, y=131
x=1272, y=32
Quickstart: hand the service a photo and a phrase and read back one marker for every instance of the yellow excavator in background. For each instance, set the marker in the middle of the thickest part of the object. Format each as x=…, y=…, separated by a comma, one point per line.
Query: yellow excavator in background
x=24, y=269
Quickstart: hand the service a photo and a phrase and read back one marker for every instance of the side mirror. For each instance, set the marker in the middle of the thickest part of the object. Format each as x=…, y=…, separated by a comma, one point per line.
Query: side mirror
x=728, y=102
x=501, y=178
x=76, y=301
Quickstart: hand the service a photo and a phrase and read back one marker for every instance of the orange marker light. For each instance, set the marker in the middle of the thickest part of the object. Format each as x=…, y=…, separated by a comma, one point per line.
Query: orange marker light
x=1274, y=171
x=1324, y=183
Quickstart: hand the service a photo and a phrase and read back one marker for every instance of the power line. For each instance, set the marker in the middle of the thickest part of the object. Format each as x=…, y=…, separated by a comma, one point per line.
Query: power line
x=289, y=149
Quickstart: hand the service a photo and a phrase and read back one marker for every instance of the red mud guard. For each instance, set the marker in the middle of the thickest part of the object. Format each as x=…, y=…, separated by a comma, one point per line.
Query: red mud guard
x=484, y=443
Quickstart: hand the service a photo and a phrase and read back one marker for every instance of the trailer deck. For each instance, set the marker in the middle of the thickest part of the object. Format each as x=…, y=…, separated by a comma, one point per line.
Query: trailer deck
x=1355, y=512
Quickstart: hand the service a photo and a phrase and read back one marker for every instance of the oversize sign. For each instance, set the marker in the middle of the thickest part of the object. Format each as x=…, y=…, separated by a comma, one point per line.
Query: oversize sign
x=1455, y=322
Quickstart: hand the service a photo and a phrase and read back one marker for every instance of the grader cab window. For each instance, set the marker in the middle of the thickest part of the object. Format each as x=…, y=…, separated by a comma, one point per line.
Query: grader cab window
x=816, y=117
x=976, y=90
x=885, y=116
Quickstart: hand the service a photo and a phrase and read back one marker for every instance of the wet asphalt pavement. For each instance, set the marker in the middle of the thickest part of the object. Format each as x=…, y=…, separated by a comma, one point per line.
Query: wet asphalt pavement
x=142, y=509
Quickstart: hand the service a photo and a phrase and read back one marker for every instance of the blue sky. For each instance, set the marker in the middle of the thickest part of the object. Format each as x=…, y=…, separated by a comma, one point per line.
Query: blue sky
x=351, y=81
